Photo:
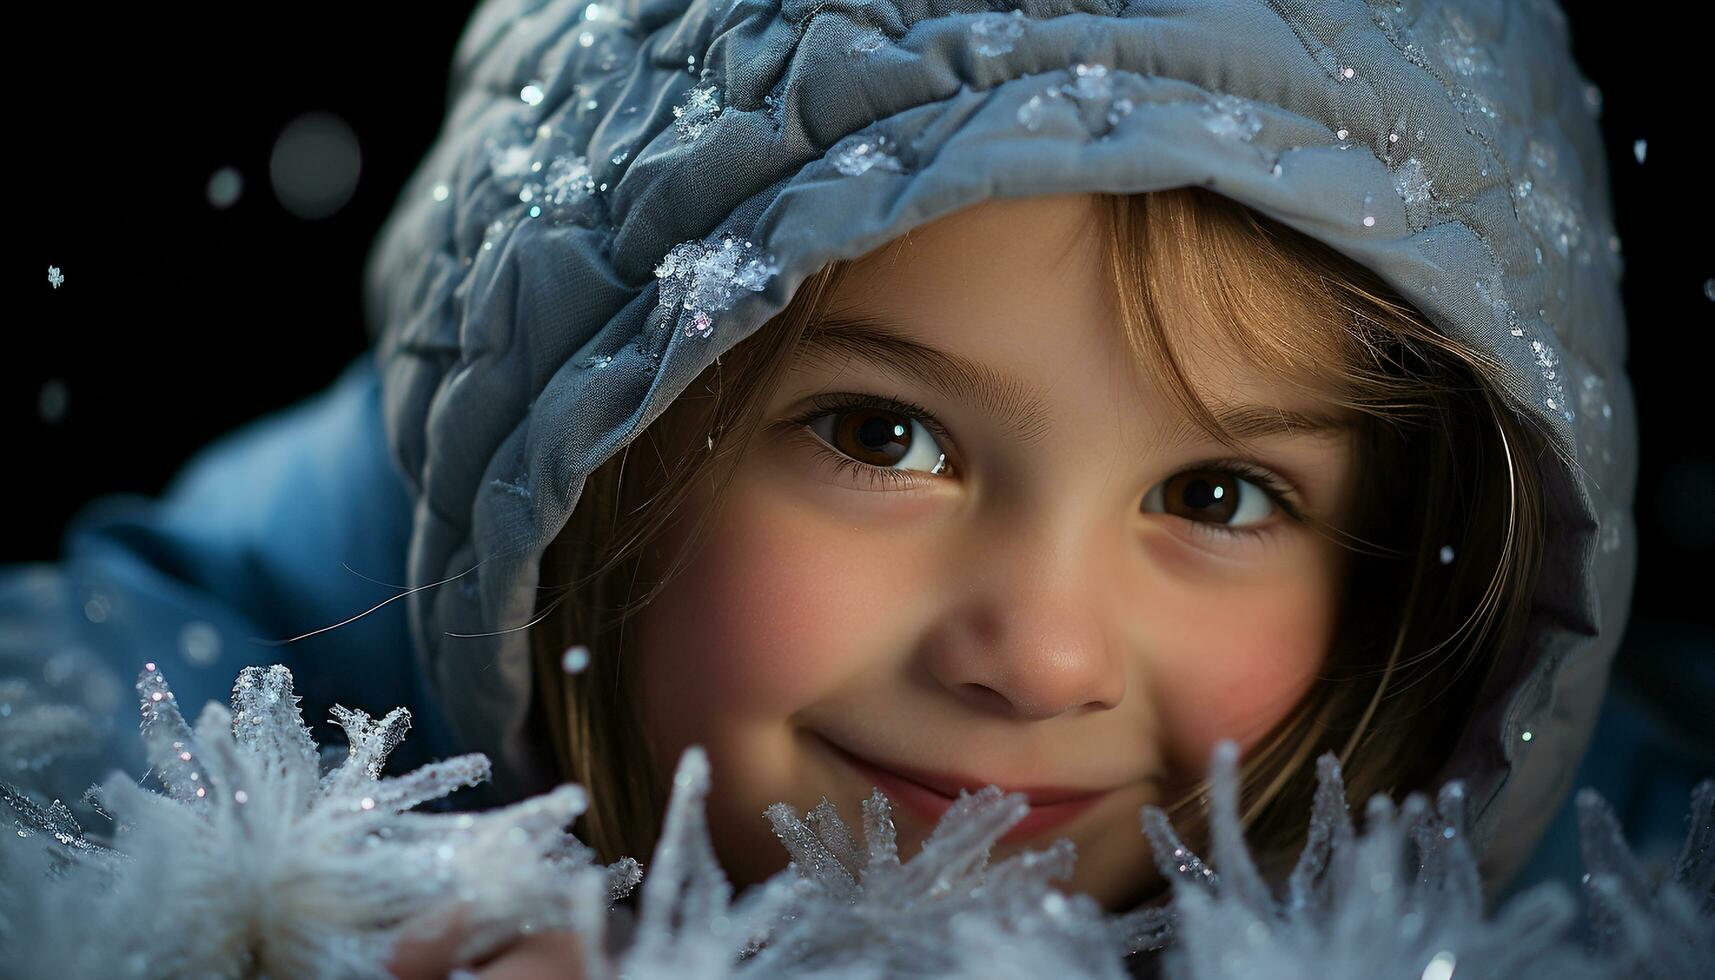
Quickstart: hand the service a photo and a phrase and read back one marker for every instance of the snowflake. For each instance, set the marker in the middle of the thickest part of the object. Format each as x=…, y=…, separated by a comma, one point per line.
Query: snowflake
x=54, y=276
x=254, y=863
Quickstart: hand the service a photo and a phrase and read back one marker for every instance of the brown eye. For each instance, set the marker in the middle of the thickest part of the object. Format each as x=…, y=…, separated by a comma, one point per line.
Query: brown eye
x=1210, y=497
x=881, y=437
x=872, y=435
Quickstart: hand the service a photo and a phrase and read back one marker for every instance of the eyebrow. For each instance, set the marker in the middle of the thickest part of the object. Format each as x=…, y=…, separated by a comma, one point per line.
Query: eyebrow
x=1018, y=405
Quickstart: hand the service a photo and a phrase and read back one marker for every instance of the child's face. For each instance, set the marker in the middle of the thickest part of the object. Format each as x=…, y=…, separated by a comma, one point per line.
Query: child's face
x=1054, y=606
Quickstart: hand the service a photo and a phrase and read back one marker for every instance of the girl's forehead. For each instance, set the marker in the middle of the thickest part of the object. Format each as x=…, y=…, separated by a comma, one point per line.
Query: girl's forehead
x=1040, y=233
x=1025, y=288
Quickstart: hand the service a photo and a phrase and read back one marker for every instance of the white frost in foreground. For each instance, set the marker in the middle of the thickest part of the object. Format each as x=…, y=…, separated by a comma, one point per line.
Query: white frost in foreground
x=253, y=863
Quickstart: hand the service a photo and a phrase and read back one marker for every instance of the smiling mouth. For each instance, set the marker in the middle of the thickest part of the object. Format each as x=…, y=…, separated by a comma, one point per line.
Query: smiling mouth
x=1049, y=807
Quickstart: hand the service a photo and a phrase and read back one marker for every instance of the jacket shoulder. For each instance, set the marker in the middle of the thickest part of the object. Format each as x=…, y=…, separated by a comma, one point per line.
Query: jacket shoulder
x=288, y=525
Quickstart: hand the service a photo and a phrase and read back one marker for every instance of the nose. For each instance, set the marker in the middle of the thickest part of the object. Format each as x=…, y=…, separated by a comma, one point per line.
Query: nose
x=1029, y=635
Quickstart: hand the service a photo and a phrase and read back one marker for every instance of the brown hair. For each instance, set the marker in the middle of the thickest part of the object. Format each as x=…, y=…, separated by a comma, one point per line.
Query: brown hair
x=1444, y=461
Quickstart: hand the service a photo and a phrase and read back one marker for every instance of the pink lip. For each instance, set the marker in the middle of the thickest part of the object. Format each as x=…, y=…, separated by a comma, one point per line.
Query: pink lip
x=922, y=794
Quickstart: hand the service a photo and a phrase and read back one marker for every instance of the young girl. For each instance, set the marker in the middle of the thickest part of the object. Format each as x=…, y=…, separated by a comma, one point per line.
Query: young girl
x=1029, y=397
x=1187, y=476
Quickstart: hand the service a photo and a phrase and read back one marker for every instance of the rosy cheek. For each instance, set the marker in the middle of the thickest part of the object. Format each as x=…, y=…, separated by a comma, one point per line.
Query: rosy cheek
x=1232, y=663
x=751, y=630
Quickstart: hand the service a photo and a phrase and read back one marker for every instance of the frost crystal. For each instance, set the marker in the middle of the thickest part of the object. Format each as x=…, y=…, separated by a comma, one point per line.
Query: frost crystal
x=867, y=44
x=254, y=864
x=1091, y=89
x=858, y=154
x=1461, y=49
x=1648, y=930
x=1030, y=113
x=702, y=107
x=1549, y=216
x=509, y=160
x=568, y=177
x=1092, y=82
x=54, y=276
x=1416, y=191
x=1229, y=115
x=1405, y=899
x=705, y=278
x=1548, y=363
x=994, y=33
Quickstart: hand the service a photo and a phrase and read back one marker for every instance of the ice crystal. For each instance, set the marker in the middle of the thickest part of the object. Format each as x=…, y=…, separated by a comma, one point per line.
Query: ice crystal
x=1230, y=116
x=705, y=278
x=1649, y=930
x=1405, y=898
x=1091, y=90
x=509, y=160
x=1417, y=191
x=568, y=178
x=1548, y=365
x=1639, y=149
x=1461, y=49
x=55, y=277
x=858, y=154
x=1090, y=82
x=995, y=33
x=702, y=107
x=1597, y=412
x=867, y=44
x=1549, y=215
x=1401, y=899
x=253, y=863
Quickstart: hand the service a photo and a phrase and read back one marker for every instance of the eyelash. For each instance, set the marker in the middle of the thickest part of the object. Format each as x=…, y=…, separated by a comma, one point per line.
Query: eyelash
x=1278, y=491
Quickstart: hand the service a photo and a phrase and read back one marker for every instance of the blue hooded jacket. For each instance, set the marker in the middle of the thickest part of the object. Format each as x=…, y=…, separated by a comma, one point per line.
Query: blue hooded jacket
x=621, y=193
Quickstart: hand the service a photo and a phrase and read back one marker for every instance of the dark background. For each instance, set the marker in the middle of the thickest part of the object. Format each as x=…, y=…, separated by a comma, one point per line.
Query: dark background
x=179, y=320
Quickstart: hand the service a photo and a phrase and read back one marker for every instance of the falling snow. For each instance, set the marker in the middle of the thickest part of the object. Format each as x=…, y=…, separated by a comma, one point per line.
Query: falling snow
x=55, y=277
x=575, y=659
